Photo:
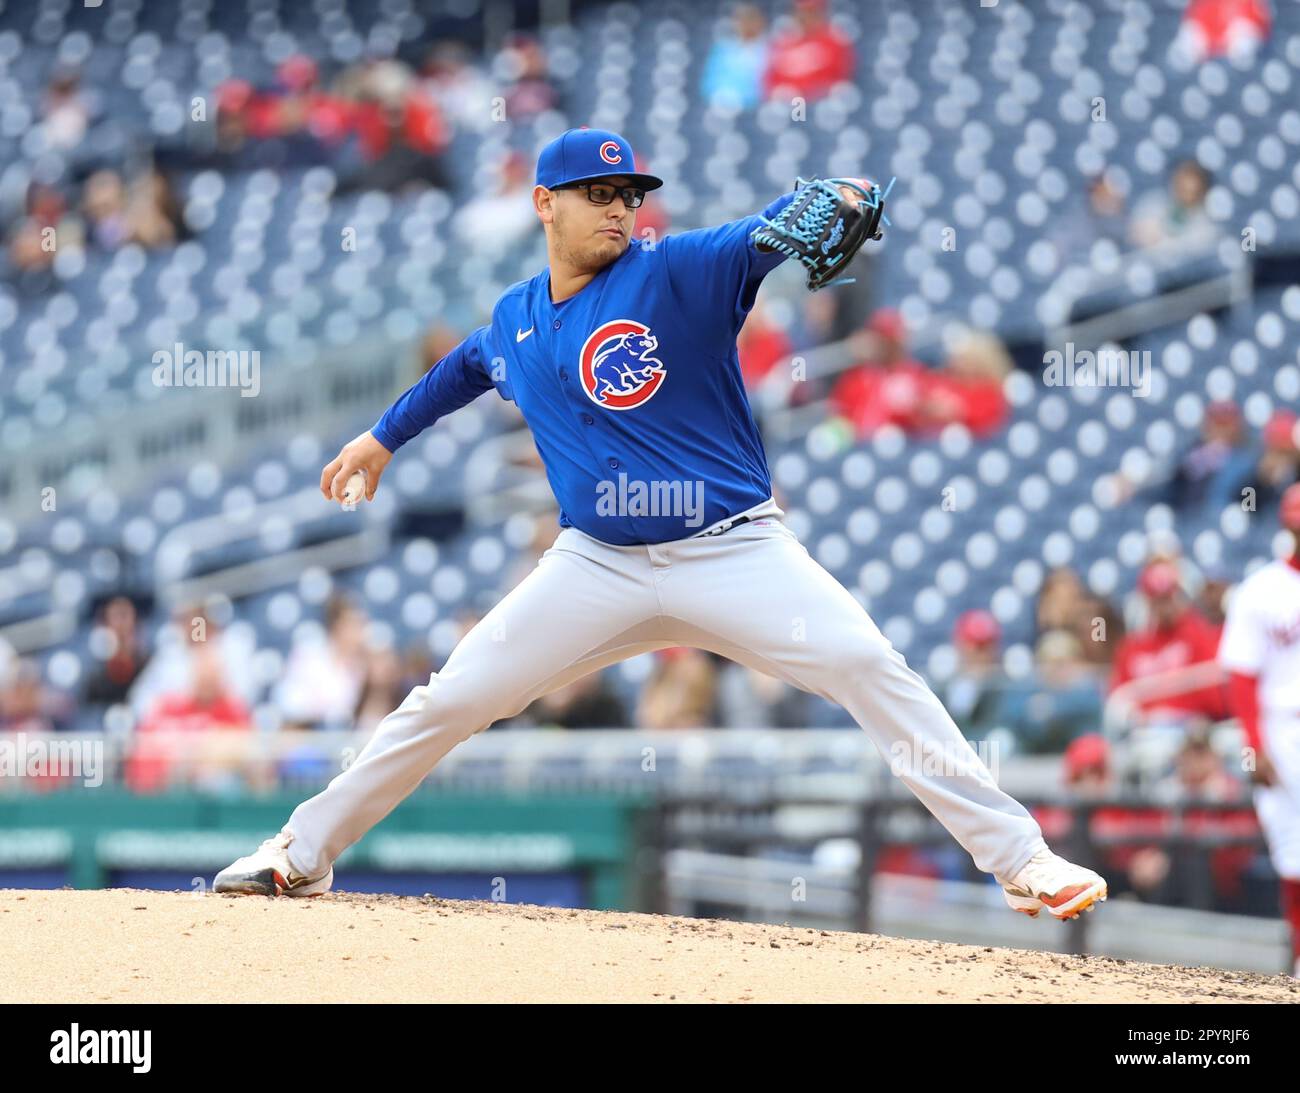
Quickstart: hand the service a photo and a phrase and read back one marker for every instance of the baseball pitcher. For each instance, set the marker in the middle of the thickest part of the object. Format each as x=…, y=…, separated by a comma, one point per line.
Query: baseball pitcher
x=621, y=356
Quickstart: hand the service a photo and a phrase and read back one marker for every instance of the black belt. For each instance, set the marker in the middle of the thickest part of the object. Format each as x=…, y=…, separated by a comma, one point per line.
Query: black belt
x=726, y=527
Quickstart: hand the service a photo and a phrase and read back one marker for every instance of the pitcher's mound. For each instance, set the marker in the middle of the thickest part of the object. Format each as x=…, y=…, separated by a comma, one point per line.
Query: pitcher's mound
x=126, y=945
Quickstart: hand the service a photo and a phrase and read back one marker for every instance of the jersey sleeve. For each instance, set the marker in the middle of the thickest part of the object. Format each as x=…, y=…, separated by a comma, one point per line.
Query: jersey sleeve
x=1242, y=647
x=455, y=381
x=720, y=269
x=1121, y=670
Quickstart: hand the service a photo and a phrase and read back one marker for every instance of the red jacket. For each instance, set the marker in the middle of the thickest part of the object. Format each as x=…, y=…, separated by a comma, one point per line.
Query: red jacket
x=149, y=766
x=979, y=404
x=808, y=64
x=1190, y=640
x=871, y=396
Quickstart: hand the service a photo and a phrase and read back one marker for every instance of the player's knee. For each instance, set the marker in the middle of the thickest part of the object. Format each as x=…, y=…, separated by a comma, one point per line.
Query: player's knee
x=456, y=703
x=867, y=654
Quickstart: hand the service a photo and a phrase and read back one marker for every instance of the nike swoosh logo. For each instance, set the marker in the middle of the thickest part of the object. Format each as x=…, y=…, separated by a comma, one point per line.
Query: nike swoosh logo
x=520, y=335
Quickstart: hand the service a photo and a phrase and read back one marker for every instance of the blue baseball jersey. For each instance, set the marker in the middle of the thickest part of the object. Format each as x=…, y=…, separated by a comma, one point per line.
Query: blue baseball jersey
x=631, y=387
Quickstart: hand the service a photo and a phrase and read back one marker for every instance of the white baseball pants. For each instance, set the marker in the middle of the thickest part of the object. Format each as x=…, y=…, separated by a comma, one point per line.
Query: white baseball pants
x=1278, y=806
x=752, y=594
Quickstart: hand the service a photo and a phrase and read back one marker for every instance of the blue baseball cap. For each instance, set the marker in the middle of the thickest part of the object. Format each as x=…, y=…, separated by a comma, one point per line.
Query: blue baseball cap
x=581, y=155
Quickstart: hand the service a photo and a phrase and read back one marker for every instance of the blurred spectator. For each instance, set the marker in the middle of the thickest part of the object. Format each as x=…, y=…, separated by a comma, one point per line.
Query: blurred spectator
x=461, y=90
x=230, y=134
x=44, y=229
x=1177, y=637
x=305, y=113
x=1276, y=466
x=65, y=114
x=530, y=90
x=1100, y=215
x=439, y=340
x=27, y=705
x=494, y=223
x=733, y=72
x=1087, y=768
x=1131, y=868
x=417, y=667
x=1200, y=775
x=887, y=388
x=382, y=691
x=205, y=705
x=1213, y=28
x=748, y=699
x=170, y=670
x=1163, y=545
x=1207, y=472
x=1062, y=601
x=103, y=203
x=586, y=703
x=116, y=644
x=973, y=697
x=681, y=691
x=153, y=214
x=323, y=680
x=968, y=390
x=1131, y=845
x=810, y=58
x=1178, y=216
x=762, y=345
x=1099, y=628
x=1211, y=600
x=1060, y=702
x=399, y=130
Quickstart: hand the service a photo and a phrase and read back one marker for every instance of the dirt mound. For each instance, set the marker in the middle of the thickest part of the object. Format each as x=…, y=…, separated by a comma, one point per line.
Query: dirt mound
x=126, y=945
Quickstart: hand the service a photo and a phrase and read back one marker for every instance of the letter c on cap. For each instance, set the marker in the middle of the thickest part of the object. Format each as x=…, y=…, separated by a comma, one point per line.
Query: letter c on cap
x=609, y=152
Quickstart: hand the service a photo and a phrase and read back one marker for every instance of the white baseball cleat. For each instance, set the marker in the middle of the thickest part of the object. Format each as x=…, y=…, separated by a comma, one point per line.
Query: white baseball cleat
x=1049, y=881
x=268, y=872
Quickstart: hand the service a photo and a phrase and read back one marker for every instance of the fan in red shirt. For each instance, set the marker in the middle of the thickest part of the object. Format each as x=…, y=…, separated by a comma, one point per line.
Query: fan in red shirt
x=968, y=390
x=887, y=388
x=891, y=388
x=1178, y=636
x=158, y=756
x=809, y=60
x=761, y=344
x=1215, y=27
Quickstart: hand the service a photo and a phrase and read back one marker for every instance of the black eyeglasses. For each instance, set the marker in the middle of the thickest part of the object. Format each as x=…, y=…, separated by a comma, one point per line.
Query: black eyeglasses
x=602, y=193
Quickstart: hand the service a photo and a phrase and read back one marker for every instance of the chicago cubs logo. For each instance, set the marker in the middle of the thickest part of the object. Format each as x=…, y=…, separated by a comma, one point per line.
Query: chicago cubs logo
x=609, y=152
x=616, y=367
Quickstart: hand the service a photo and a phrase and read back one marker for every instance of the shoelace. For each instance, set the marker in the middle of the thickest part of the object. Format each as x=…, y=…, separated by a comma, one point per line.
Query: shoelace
x=1050, y=871
x=278, y=842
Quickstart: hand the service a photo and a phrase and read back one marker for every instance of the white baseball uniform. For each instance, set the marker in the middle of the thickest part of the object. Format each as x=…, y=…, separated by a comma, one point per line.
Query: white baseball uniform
x=1261, y=637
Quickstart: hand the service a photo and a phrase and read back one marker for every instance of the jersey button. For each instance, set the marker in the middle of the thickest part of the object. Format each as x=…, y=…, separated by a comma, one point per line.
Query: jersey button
x=613, y=464
x=557, y=324
x=587, y=419
x=564, y=375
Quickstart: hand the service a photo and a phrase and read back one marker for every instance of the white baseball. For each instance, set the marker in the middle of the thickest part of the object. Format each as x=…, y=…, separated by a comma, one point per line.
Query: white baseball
x=355, y=489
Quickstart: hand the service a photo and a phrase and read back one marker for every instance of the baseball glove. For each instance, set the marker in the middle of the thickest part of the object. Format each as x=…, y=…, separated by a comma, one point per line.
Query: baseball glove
x=822, y=228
